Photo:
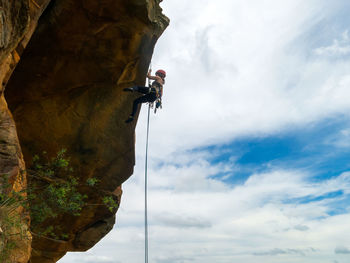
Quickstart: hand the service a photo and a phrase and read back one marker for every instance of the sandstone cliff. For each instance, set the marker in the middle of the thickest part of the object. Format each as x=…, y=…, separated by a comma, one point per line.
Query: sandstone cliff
x=17, y=22
x=64, y=76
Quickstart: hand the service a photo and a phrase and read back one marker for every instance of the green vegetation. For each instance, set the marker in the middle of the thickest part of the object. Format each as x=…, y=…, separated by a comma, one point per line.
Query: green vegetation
x=13, y=226
x=52, y=192
x=110, y=202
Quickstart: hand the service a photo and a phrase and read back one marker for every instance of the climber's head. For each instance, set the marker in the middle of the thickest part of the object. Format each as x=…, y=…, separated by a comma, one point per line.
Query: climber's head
x=161, y=73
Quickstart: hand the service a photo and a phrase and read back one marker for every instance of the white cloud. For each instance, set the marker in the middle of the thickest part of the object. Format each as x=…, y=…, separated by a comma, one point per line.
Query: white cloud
x=226, y=223
x=278, y=251
x=339, y=47
x=342, y=250
x=173, y=259
x=235, y=69
x=301, y=227
x=181, y=221
x=93, y=259
x=340, y=139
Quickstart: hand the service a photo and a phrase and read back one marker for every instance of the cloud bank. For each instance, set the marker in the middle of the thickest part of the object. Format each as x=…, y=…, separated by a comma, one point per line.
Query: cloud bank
x=238, y=71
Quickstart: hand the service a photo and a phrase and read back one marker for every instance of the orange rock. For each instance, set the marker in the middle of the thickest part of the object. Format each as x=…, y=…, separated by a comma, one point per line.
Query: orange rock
x=16, y=17
x=66, y=92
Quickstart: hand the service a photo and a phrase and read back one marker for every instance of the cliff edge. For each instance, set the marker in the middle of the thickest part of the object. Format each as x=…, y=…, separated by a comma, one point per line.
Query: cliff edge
x=63, y=73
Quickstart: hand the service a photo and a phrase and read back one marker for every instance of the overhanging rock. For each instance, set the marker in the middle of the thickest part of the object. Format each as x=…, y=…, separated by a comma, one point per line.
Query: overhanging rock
x=66, y=92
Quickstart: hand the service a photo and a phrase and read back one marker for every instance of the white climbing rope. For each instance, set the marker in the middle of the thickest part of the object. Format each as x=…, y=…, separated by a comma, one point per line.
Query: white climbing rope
x=146, y=169
x=146, y=162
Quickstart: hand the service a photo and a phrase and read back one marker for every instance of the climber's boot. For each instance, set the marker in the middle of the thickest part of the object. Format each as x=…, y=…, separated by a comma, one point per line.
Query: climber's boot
x=129, y=89
x=130, y=119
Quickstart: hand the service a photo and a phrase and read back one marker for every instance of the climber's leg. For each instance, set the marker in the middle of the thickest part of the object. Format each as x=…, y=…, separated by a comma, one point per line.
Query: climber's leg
x=143, y=90
x=129, y=89
x=150, y=97
x=135, y=105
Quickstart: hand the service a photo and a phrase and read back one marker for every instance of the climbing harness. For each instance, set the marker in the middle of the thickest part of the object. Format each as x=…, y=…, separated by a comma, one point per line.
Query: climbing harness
x=158, y=102
x=146, y=164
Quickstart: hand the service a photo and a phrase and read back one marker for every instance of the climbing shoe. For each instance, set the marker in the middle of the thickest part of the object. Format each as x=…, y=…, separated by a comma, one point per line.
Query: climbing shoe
x=129, y=89
x=130, y=119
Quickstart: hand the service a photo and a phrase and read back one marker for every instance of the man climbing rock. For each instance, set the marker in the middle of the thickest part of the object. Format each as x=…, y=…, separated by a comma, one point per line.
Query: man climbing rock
x=152, y=93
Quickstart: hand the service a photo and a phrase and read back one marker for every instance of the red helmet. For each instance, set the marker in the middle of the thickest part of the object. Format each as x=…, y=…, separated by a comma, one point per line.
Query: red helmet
x=161, y=72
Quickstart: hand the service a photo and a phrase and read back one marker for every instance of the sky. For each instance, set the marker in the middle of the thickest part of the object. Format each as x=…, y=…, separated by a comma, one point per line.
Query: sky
x=249, y=157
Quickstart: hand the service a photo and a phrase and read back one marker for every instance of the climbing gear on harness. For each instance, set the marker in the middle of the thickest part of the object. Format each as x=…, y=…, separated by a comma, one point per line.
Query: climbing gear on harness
x=158, y=102
x=158, y=105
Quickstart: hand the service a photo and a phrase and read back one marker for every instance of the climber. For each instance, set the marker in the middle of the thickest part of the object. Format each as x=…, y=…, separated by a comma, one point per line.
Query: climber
x=151, y=94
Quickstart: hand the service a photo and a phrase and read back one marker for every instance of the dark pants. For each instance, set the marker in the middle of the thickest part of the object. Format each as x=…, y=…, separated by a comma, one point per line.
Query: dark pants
x=148, y=97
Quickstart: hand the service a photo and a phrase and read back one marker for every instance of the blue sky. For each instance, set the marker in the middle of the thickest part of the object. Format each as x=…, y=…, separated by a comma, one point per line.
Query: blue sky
x=249, y=157
x=315, y=148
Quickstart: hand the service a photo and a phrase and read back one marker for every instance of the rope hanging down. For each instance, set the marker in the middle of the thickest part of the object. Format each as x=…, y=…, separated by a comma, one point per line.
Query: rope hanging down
x=146, y=162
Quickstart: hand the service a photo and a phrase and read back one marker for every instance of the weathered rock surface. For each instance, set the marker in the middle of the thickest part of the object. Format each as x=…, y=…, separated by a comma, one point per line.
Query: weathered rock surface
x=17, y=22
x=66, y=92
x=11, y=167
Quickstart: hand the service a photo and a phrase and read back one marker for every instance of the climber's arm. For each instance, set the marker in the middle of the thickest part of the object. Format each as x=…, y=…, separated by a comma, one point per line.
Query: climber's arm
x=152, y=77
x=156, y=78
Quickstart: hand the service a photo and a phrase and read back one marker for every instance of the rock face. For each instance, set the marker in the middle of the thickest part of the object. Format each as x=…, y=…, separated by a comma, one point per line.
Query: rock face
x=11, y=165
x=66, y=92
x=17, y=22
